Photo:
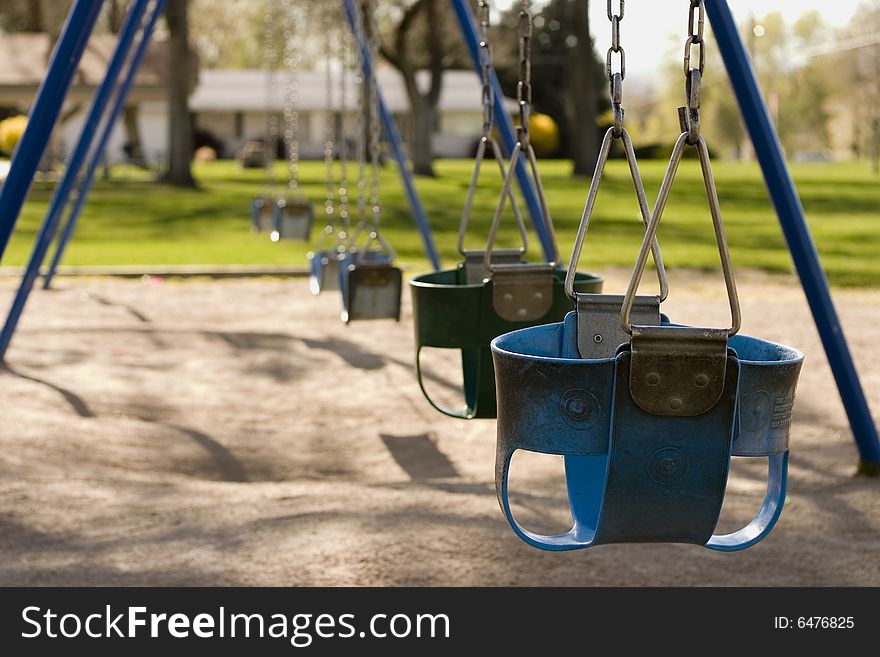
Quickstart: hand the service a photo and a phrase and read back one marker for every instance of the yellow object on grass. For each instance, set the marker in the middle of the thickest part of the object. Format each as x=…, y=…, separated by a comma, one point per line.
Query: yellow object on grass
x=11, y=130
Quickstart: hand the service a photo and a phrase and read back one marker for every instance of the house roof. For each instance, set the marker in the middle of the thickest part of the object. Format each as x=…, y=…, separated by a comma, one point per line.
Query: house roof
x=24, y=59
x=246, y=90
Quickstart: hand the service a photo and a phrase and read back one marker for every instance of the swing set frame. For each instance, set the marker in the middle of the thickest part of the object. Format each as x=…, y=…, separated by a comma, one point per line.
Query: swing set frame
x=134, y=38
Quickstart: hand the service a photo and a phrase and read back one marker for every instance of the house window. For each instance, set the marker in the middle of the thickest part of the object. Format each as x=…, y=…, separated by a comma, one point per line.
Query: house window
x=239, y=125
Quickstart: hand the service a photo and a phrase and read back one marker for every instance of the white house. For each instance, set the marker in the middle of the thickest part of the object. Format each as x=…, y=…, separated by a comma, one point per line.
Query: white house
x=229, y=106
x=232, y=105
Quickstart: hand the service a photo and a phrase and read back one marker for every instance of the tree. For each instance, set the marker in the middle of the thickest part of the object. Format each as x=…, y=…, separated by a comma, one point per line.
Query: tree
x=861, y=66
x=583, y=102
x=180, y=62
x=423, y=106
x=568, y=81
x=115, y=18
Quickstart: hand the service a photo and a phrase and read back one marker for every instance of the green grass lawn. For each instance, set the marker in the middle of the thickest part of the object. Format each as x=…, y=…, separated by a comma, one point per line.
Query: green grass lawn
x=131, y=220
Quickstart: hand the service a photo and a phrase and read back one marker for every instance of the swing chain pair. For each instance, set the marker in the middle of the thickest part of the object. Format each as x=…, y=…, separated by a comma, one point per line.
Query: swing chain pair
x=524, y=86
x=487, y=142
x=617, y=131
x=616, y=78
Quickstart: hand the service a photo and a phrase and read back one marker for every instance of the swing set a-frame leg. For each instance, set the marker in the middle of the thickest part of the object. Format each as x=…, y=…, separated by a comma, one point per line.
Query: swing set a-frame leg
x=768, y=151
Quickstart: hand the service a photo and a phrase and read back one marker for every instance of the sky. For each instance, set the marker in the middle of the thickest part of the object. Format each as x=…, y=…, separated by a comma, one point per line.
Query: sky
x=652, y=29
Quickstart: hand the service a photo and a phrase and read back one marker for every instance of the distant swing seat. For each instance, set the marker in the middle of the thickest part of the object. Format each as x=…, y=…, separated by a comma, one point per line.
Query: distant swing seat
x=466, y=307
x=648, y=432
x=263, y=214
x=324, y=270
x=293, y=219
x=371, y=286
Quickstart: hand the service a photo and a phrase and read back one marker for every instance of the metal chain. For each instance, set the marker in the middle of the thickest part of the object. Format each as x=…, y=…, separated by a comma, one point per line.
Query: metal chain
x=344, y=218
x=696, y=22
x=485, y=70
x=330, y=186
x=689, y=116
x=373, y=111
x=524, y=86
x=291, y=113
x=616, y=77
x=270, y=56
x=360, y=133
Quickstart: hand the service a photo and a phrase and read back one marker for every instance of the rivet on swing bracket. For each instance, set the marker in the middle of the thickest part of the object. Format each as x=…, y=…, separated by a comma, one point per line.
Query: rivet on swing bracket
x=599, y=333
x=522, y=293
x=677, y=371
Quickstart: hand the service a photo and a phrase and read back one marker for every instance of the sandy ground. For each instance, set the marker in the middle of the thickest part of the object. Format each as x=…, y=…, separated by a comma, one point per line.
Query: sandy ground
x=236, y=433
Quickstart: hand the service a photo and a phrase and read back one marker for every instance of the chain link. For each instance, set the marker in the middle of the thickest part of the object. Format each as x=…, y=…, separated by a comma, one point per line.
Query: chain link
x=270, y=61
x=330, y=187
x=485, y=69
x=696, y=22
x=344, y=217
x=373, y=118
x=616, y=48
x=689, y=116
x=524, y=86
x=360, y=133
x=291, y=113
x=616, y=77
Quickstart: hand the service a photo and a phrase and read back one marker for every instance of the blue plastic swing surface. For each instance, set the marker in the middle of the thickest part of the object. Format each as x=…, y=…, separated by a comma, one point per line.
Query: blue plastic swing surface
x=632, y=476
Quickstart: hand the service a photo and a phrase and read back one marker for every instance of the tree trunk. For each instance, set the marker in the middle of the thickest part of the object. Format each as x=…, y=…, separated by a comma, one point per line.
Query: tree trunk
x=423, y=107
x=133, y=137
x=582, y=91
x=421, y=146
x=35, y=18
x=180, y=134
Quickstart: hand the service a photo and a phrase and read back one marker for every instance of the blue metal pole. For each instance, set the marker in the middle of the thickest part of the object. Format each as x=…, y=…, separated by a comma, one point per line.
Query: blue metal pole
x=505, y=126
x=47, y=105
x=98, y=151
x=74, y=165
x=794, y=226
x=394, y=140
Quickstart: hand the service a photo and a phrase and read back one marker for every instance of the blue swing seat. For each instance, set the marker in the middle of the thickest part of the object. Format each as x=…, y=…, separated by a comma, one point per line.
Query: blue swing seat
x=633, y=475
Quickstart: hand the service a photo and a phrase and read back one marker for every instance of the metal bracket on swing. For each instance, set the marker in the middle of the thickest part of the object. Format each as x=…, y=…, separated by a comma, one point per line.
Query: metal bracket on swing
x=522, y=292
x=599, y=333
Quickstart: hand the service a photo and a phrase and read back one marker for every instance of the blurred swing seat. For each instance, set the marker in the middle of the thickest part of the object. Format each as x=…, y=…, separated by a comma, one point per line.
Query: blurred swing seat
x=284, y=218
x=371, y=286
